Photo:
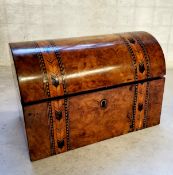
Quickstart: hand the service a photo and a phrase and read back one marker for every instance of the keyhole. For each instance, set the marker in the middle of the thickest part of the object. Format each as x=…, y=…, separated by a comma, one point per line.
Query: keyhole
x=103, y=103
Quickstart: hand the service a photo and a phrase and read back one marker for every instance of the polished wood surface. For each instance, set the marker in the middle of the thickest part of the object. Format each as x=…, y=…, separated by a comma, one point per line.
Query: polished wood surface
x=79, y=91
x=88, y=121
x=67, y=66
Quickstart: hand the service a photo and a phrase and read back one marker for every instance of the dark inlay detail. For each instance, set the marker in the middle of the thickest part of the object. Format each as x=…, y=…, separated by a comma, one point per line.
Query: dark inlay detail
x=58, y=115
x=146, y=105
x=43, y=69
x=146, y=56
x=60, y=144
x=140, y=107
x=147, y=60
x=131, y=40
x=141, y=67
x=132, y=126
x=62, y=70
x=51, y=129
x=61, y=65
x=103, y=103
x=133, y=56
x=47, y=90
x=67, y=123
x=55, y=80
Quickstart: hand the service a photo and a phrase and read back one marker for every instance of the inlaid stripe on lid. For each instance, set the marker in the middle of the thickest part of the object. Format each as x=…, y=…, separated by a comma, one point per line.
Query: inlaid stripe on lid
x=47, y=90
x=146, y=56
x=66, y=103
x=133, y=57
x=147, y=60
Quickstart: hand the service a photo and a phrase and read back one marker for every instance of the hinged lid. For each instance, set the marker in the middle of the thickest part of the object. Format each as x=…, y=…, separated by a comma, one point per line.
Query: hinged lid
x=54, y=68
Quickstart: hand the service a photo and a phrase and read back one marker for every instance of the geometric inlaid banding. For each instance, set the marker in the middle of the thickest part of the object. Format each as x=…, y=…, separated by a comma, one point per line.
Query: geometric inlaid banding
x=133, y=57
x=62, y=71
x=147, y=62
x=47, y=91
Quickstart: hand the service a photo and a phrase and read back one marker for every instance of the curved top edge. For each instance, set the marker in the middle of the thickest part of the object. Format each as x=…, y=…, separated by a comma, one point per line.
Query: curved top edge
x=154, y=38
x=45, y=70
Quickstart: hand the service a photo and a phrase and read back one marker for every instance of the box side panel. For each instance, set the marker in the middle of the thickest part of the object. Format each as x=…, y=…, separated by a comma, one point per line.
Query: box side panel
x=37, y=130
x=156, y=89
x=46, y=128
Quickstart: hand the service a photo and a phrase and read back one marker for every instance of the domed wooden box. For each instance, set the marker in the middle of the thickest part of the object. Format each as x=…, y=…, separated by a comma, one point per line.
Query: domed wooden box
x=79, y=91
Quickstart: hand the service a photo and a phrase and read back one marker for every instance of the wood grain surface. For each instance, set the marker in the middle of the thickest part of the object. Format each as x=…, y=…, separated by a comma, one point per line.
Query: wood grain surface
x=80, y=91
x=85, y=63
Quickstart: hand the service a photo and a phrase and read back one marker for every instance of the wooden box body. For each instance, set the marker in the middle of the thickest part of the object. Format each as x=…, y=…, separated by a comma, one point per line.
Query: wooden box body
x=79, y=91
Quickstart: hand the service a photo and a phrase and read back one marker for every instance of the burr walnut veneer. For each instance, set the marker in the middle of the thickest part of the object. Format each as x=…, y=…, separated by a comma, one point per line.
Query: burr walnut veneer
x=79, y=91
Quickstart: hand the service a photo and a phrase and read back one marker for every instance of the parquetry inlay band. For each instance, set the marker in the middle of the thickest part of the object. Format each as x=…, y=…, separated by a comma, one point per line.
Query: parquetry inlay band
x=47, y=90
x=132, y=125
x=147, y=60
x=62, y=70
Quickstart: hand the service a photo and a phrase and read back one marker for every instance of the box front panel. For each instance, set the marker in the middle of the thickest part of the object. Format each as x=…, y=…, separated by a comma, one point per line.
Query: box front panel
x=60, y=125
x=128, y=108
